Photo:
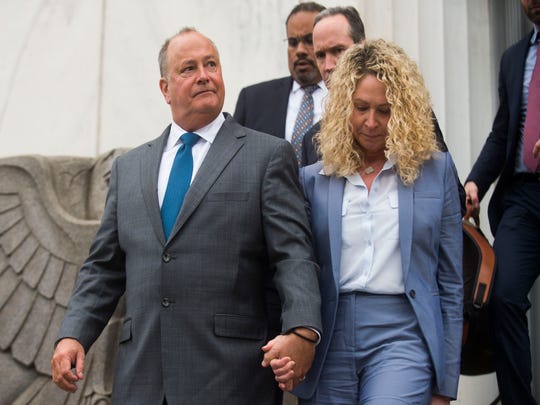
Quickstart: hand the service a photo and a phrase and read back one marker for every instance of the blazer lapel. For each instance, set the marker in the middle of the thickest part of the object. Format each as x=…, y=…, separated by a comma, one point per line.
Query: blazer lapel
x=149, y=168
x=227, y=143
x=405, y=198
x=335, y=203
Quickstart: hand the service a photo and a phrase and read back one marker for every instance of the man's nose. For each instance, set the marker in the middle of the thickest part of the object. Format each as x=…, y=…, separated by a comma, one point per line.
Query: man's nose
x=302, y=48
x=202, y=75
x=329, y=63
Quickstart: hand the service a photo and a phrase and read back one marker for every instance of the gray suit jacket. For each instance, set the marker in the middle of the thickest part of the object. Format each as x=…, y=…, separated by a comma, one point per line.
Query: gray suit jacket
x=430, y=238
x=195, y=304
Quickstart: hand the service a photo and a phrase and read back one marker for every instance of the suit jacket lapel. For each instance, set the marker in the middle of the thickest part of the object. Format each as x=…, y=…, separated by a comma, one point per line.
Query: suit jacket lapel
x=335, y=203
x=281, y=103
x=228, y=141
x=149, y=169
x=405, y=198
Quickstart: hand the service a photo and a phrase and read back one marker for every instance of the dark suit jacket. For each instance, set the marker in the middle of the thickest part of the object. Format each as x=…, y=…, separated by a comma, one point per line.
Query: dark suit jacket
x=263, y=106
x=195, y=307
x=310, y=155
x=497, y=157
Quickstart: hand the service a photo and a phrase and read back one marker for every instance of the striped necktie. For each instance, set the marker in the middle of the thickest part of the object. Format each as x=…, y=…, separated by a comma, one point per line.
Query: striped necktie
x=304, y=121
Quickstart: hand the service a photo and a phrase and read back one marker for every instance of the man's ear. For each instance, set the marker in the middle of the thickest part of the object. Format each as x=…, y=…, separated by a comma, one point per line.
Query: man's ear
x=164, y=87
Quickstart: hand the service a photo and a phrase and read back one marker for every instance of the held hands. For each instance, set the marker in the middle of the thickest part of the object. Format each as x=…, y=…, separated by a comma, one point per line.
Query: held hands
x=68, y=354
x=290, y=357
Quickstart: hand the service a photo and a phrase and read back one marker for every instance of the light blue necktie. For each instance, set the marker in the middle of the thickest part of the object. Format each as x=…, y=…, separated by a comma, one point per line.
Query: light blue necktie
x=179, y=181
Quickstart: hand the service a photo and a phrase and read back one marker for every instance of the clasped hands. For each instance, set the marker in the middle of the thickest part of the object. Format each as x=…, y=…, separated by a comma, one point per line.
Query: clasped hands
x=290, y=357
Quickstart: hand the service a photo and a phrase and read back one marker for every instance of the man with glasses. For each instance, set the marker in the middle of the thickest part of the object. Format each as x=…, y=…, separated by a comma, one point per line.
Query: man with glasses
x=274, y=106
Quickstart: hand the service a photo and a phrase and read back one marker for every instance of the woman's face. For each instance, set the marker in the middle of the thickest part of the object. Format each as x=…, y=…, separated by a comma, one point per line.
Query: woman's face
x=371, y=112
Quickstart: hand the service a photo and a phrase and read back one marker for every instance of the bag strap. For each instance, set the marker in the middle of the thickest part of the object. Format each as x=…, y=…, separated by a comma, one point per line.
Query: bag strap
x=486, y=272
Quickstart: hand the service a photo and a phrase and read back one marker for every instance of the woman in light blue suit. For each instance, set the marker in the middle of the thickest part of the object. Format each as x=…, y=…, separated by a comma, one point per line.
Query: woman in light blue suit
x=386, y=222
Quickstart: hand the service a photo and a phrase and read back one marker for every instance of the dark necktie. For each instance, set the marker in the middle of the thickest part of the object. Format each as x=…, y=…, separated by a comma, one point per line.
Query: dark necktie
x=179, y=181
x=531, y=132
x=304, y=121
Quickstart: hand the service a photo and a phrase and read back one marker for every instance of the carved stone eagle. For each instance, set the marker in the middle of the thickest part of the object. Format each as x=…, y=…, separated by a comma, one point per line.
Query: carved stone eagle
x=49, y=212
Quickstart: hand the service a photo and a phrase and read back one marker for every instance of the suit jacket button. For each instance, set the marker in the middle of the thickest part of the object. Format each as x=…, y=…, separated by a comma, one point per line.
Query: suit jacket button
x=412, y=294
x=166, y=257
x=165, y=302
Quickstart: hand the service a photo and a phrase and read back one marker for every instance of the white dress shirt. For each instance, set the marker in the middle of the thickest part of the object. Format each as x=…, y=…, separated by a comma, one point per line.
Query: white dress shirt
x=199, y=151
x=295, y=101
x=370, y=255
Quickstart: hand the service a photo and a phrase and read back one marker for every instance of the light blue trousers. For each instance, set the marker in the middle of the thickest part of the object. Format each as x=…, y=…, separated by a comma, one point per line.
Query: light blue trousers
x=377, y=355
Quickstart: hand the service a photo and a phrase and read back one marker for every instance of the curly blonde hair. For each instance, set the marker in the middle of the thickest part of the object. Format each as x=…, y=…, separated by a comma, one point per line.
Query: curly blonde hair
x=411, y=140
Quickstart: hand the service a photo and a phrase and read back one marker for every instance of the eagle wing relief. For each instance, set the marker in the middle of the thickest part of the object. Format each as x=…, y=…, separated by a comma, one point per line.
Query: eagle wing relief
x=45, y=233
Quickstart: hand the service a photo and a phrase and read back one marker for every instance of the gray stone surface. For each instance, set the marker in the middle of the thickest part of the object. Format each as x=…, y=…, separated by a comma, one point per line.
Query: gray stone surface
x=49, y=211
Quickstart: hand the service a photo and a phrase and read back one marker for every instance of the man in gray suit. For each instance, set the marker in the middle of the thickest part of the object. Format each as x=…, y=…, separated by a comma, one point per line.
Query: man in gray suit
x=196, y=316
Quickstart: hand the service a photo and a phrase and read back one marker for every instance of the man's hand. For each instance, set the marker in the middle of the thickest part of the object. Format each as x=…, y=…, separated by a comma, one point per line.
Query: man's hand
x=472, y=201
x=68, y=354
x=290, y=357
x=536, y=149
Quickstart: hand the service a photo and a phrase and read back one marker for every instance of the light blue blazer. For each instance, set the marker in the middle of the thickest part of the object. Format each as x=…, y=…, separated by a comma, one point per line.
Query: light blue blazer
x=431, y=252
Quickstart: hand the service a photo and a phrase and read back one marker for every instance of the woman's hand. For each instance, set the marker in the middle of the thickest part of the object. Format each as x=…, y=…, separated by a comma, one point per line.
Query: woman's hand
x=439, y=400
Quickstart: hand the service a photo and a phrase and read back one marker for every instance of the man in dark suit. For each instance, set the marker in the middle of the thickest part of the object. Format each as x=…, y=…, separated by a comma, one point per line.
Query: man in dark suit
x=514, y=210
x=272, y=106
x=335, y=30
x=195, y=318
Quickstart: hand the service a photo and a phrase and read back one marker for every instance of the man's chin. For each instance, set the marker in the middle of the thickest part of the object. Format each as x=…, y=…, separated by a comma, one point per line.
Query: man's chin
x=207, y=99
x=307, y=77
x=208, y=108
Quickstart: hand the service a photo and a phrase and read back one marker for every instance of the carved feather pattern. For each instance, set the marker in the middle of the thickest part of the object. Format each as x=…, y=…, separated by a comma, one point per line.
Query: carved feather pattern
x=42, y=246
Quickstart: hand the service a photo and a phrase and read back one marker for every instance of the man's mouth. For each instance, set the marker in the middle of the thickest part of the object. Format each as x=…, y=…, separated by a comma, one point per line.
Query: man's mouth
x=302, y=64
x=204, y=92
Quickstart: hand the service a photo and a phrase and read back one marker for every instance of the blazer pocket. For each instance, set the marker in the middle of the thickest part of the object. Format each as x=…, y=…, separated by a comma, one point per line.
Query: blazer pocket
x=125, y=334
x=228, y=196
x=426, y=194
x=239, y=326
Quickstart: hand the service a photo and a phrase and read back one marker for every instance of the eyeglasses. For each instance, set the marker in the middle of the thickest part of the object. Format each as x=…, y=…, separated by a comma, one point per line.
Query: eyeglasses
x=306, y=39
